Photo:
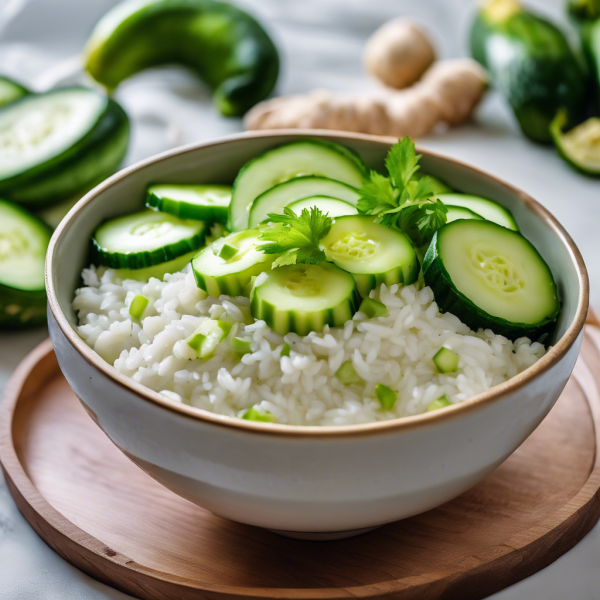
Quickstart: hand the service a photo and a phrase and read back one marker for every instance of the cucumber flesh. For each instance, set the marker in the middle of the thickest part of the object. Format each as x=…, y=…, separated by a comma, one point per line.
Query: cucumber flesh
x=492, y=278
x=283, y=194
x=304, y=298
x=306, y=157
x=217, y=275
x=331, y=207
x=145, y=239
x=387, y=396
x=439, y=403
x=23, y=243
x=200, y=202
x=580, y=147
x=458, y=212
x=373, y=253
x=10, y=91
x=347, y=374
x=488, y=209
x=58, y=144
x=445, y=360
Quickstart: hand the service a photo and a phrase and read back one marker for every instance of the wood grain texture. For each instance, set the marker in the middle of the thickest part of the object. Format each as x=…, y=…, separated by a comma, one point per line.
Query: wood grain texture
x=106, y=516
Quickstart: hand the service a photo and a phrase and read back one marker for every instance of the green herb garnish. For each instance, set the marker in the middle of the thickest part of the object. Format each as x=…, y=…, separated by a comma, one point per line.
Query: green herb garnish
x=296, y=237
x=401, y=200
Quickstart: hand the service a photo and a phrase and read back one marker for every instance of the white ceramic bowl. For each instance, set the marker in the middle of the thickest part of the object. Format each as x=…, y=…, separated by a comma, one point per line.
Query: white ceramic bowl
x=332, y=481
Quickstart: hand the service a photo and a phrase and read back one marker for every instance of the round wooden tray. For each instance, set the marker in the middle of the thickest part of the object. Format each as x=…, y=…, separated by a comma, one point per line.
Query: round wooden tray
x=103, y=514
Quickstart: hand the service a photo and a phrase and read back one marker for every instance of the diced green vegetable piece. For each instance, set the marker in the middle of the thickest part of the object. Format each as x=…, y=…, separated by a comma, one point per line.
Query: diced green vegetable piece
x=372, y=308
x=138, y=306
x=347, y=374
x=253, y=415
x=241, y=346
x=386, y=396
x=445, y=360
x=439, y=403
x=208, y=336
x=285, y=351
x=228, y=252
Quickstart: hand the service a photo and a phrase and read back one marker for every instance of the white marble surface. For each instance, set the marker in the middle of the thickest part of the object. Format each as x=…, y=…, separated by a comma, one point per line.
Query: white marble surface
x=321, y=42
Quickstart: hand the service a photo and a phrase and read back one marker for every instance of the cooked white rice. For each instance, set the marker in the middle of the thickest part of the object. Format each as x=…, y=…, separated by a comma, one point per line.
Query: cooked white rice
x=301, y=389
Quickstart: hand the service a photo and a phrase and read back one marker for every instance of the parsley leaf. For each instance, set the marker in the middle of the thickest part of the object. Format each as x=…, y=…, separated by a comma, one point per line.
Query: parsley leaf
x=404, y=200
x=295, y=237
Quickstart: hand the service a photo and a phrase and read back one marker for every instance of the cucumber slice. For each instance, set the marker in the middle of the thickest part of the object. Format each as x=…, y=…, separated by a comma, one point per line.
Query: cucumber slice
x=199, y=202
x=157, y=271
x=438, y=186
x=58, y=144
x=491, y=277
x=458, y=212
x=10, y=91
x=146, y=238
x=23, y=244
x=331, y=207
x=283, y=194
x=580, y=147
x=306, y=157
x=373, y=309
x=488, y=209
x=304, y=298
x=216, y=275
x=373, y=253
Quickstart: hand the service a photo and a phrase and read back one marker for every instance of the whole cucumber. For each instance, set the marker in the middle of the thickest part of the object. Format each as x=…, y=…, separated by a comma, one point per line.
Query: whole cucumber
x=531, y=64
x=225, y=46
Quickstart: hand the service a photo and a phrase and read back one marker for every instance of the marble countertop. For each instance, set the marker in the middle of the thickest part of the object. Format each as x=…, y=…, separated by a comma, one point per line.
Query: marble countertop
x=321, y=42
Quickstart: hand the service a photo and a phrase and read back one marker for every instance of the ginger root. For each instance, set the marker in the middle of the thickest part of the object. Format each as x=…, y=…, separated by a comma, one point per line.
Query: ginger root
x=398, y=53
x=448, y=93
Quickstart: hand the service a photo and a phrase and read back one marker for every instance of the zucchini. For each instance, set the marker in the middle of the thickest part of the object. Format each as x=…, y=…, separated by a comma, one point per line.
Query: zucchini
x=371, y=252
x=488, y=209
x=491, y=278
x=217, y=275
x=579, y=147
x=58, y=144
x=283, y=194
x=145, y=239
x=531, y=64
x=200, y=202
x=222, y=44
x=281, y=164
x=10, y=91
x=304, y=298
x=23, y=243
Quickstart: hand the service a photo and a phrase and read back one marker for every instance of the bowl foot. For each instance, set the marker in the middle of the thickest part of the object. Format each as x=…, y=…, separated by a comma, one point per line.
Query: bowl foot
x=323, y=536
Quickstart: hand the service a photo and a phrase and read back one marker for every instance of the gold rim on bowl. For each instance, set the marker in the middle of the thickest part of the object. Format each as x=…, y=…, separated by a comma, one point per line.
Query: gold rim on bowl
x=333, y=431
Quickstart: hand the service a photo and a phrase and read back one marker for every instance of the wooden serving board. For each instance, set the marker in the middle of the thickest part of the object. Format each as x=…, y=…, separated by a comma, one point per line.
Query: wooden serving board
x=106, y=516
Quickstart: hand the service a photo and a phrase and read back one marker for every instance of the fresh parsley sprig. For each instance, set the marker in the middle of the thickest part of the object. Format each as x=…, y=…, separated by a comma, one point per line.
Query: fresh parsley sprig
x=403, y=200
x=295, y=237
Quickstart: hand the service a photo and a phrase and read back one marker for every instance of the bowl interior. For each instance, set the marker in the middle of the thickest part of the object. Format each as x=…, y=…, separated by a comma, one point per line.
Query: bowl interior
x=220, y=161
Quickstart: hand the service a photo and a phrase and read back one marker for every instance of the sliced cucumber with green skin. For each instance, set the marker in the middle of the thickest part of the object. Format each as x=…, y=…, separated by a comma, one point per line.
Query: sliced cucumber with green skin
x=23, y=244
x=216, y=275
x=156, y=271
x=445, y=360
x=492, y=278
x=331, y=207
x=10, y=91
x=58, y=144
x=373, y=253
x=306, y=157
x=437, y=185
x=459, y=212
x=200, y=202
x=145, y=239
x=283, y=194
x=488, y=209
x=304, y=298
x=580, y=147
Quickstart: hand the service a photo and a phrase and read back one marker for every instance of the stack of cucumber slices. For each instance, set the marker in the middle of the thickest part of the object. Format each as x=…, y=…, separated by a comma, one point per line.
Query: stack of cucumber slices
x=53, y=147
x=328, y=259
